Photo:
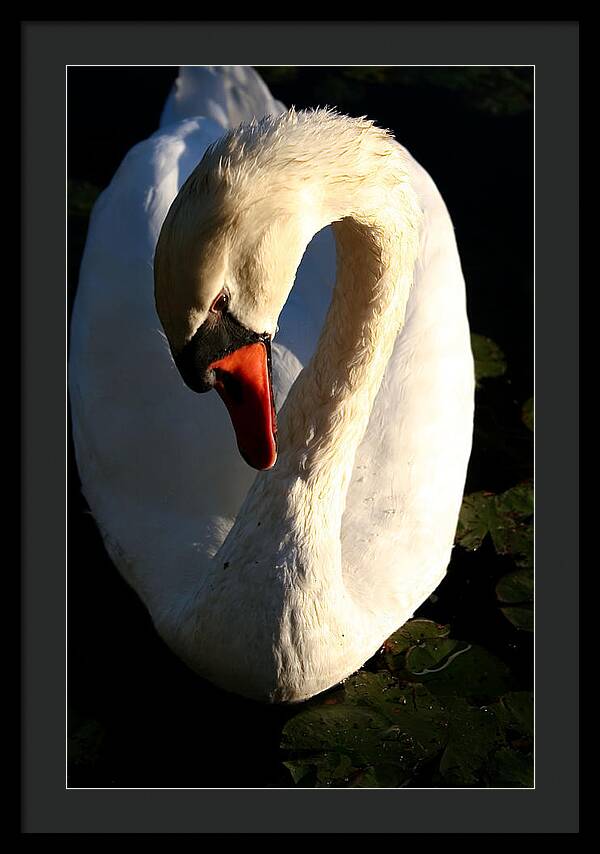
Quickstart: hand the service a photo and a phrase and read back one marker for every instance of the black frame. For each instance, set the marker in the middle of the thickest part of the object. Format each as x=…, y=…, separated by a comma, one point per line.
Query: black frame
x=48, y=47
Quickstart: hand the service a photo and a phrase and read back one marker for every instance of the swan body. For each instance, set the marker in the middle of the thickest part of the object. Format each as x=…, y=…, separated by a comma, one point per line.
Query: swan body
x=274, y=585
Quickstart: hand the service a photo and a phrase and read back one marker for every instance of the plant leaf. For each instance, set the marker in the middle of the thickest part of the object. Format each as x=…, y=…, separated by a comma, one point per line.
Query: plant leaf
x=473, y=735
x=429, y=655
x=521, y=618
x=346, y=729
x=378, y=777
x=489, y=358
x=516, y=501
x=384, y=727
x=476, y=517
x=512, y=769
x=475, y=674
x=323, y=769
x=516, y=587
x=527, y=413
x=415, y=714
x=515, y=711
x=412, y=633
x=504, y=517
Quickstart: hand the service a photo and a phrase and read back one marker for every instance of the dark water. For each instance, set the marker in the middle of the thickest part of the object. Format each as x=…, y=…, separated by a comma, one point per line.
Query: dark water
x=138, y=716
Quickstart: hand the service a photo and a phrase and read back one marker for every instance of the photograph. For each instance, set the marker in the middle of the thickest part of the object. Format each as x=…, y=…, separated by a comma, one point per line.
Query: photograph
x=300, y=450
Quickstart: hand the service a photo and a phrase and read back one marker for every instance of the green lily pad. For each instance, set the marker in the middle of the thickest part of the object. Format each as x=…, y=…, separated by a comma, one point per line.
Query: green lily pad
x=414, y=713
x=413, y=633
x=367, y=737
x=516, y=587
x=376, y=690
x=337, y=770
x=355, y=732
x=515, y=592
x=324, y=769
x=473, y=735
x=378, y=777
x=384, y=727
x=504, y=517
x=518, y=500
x=477, y=517
x=381, y=727
x=515, y=712
x=512, y=769
x=429, y=656
x=507, y=520
x=527, y=413
x=521, y=618
x=475, y=674
x=447, y=667
x=489, y=358
x=300, y=769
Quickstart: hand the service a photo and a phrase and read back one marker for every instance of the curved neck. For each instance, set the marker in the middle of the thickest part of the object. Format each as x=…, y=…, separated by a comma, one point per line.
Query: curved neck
x=327, y=410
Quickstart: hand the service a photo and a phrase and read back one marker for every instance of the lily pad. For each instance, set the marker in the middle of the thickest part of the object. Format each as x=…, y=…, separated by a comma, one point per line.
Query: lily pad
x=516, y=587
x=512, y=769
x=527, y=413
x=412, y=634
x=489, y=358
x=349, y=730
x=477, y=517
x=326, y=769
x=475, y=674
x=521, y=618
x=415, y=714
x=515, y=592
x=382, y=727
x=387, y=726
x=505, y=517
x=430, y=656
x=518, y=500
x=515, y=712
x=378, y=777
x=473, y=735
x=377, y=690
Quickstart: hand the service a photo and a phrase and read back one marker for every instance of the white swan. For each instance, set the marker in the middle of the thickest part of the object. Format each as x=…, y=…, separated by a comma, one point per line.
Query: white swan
x=278, y=585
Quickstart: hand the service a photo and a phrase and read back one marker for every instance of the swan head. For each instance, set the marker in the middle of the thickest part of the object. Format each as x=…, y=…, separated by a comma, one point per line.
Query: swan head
x=225, y=262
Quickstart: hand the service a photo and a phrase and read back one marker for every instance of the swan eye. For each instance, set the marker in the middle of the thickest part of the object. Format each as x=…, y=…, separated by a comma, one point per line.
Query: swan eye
x=220, y=303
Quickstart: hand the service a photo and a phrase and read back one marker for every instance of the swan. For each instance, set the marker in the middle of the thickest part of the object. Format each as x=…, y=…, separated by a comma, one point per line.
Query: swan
x=304, y=266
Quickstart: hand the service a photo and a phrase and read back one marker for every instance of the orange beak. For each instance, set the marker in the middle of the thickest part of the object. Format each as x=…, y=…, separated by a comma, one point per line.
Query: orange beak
x=243, y=380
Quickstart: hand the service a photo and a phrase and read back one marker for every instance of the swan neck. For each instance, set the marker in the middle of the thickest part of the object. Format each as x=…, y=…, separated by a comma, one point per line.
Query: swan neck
x=327, y=411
